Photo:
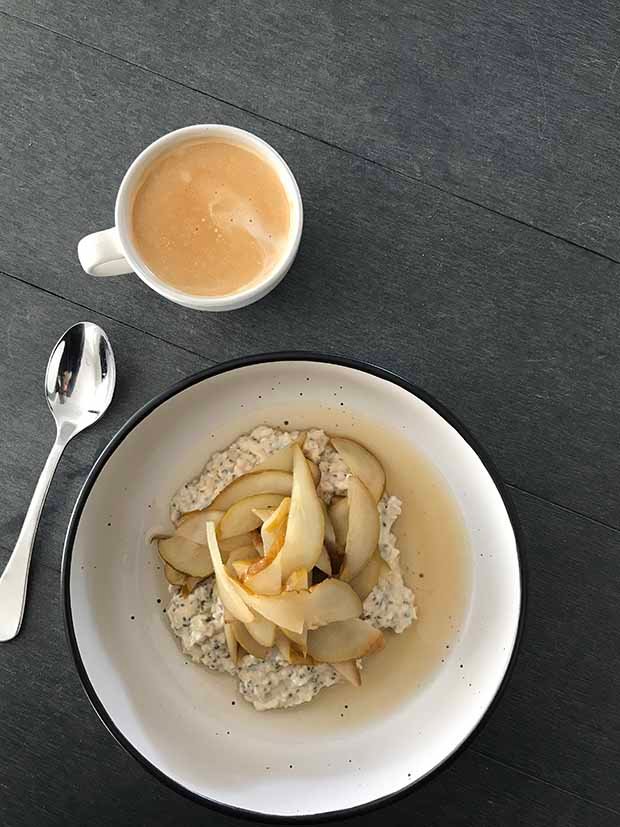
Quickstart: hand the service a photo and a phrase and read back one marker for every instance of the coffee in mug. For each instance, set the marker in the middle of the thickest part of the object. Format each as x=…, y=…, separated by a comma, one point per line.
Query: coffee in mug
x=210, y=217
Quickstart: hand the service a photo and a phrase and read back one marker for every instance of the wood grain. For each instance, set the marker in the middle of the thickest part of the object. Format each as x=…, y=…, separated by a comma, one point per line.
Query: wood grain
x=511, y=104
x=33, y=323
x=514, y=330
x=59, y=763
x=559, y=719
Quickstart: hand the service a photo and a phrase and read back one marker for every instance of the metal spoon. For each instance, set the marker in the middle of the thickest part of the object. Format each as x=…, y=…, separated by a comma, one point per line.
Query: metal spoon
x=79, y=384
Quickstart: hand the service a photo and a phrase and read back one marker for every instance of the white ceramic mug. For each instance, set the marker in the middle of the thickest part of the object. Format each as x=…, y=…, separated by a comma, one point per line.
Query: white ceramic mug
x=113, y=253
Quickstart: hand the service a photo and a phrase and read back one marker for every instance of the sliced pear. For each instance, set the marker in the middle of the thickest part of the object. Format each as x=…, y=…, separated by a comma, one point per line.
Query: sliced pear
x=190, y=584
x=362, y=464
x=263, y=513
x=249, y=485
x=265, y=575
x=330, y=534
x=305, y=527
x=363, y=533
x=262, y=630
x=300, y=639
x=231, y=642
x=232, y=543
x=280, y=460
x=245, y=639
x=297, y=581
x=315, y=471
x=226, y=586
x=349, y=670
x=243, y=553
x=289, y=651
x=177, y=578
x=275, y=524
x=327, y=602
x=324, y=563
x=364, y=582
x=240, y=517
x=343, y=641
x=241, y=566
x=286, y=610
x=267, y=580
x=339, y=516
x=174, y=577
x=192, y=525
x=257, y=542
x=186, y=556
x=336, y=558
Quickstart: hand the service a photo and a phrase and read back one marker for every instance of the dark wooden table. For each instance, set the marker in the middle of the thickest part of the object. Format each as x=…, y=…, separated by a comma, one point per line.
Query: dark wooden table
x=459, y=162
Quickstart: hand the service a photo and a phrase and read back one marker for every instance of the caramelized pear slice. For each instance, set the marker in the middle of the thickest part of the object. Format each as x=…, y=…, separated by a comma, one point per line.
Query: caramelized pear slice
x=275, y=525
x=339, y=516
x=249, y=485
x=240, y=567
x=349, y=670
x=243, y=553
x=329, y=601
x=186, y=556
x=265, y=575
x=226, y=586
x=267, y=580
x=362, y=464
x=192, y=525
x=245, y=639
x=305, y=527
x=240, y=517
x=343, y=641
x=363, y=533
x=364, y=582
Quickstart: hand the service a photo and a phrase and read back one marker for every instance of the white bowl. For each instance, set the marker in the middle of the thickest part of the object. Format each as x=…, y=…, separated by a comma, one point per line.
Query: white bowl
x=179, y=719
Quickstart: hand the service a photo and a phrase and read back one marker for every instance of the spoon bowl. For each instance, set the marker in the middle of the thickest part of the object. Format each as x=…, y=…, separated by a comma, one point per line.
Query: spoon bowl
x=80, y=377
x=79, y=385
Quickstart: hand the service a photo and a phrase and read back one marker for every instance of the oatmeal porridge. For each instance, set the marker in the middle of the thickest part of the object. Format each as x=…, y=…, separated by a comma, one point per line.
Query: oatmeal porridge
x=291, y=672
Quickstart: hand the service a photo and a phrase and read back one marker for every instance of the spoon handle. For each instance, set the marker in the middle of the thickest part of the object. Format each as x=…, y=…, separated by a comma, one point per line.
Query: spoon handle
x=14, y=580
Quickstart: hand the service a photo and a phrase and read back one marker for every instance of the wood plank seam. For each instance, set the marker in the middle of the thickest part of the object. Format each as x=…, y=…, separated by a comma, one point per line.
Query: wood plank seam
x=106, y=316
x=211, y=361
x=332, y=145
x=558, y=787
x=483, y=754
x=534, y=496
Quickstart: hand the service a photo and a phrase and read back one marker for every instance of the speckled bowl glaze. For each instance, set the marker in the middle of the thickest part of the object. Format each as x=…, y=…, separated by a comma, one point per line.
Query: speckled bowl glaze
x=188, y=726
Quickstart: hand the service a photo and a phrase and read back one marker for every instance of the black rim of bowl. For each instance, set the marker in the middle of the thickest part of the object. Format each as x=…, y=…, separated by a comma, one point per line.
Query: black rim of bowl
x=117, y=439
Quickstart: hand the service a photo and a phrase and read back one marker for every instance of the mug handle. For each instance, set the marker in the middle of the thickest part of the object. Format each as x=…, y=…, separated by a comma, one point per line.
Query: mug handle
x=101, y=254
